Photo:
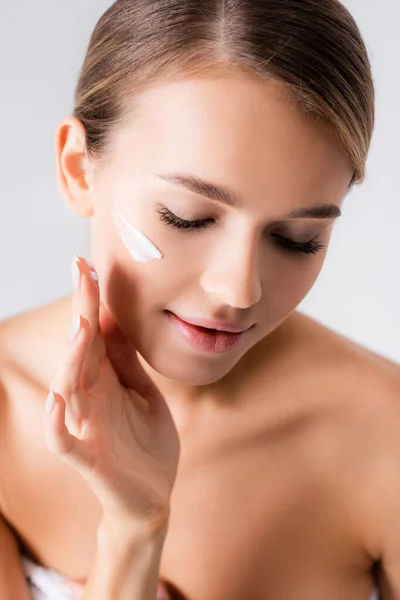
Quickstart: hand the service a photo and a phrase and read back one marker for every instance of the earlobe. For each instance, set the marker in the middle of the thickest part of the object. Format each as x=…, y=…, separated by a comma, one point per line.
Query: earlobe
x=73, y=177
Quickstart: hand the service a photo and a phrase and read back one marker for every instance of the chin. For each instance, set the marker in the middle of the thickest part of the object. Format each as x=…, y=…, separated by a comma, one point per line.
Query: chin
x=188, y=370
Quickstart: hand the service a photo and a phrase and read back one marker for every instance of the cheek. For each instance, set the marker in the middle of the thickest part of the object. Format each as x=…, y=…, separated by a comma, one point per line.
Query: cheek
x=138, y=289
x=104, y=243
x=285, y=287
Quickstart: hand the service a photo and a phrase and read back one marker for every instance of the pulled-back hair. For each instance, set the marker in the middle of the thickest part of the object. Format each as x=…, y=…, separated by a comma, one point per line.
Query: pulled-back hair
x=314, y=47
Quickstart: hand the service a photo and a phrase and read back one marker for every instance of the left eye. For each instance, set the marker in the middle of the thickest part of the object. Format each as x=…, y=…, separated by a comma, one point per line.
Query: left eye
x=168, y=217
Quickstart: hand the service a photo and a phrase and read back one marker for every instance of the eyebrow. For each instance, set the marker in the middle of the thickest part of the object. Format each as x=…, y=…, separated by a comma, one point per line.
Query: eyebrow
x=222, y=194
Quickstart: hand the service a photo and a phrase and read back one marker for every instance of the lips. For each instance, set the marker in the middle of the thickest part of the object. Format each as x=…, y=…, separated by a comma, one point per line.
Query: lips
x=211, y=324
x=204, y=339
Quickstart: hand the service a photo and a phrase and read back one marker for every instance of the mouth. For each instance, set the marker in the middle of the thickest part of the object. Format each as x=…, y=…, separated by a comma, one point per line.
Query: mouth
x=206, y=339
x=214, y=326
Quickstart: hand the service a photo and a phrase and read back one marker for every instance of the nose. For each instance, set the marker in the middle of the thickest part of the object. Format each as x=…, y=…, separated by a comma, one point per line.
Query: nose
x=233, y=275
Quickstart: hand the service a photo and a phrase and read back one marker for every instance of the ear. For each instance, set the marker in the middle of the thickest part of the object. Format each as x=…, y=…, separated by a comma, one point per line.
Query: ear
x=73, y=176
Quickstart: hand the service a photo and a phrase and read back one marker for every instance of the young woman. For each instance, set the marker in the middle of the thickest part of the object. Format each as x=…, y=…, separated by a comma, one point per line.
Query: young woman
x=211, y=145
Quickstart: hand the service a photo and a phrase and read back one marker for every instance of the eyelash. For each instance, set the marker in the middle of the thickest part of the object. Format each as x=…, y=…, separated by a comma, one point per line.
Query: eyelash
x=310, y=247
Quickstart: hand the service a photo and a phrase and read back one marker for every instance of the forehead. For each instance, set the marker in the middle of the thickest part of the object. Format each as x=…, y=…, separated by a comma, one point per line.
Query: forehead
x=234, y=126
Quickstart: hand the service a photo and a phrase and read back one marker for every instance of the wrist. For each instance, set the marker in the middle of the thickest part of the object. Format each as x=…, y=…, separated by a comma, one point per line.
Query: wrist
x=153, y=531
x=127, y=560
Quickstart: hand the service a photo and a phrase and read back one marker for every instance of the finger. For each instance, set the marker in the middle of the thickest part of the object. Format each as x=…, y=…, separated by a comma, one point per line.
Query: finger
x=88, y=294
x=59, y=440
x=88, y=302
x=123, y=356
x=67, y=379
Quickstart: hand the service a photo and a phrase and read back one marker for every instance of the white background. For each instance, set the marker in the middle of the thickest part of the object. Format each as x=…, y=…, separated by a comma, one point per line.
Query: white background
x=42, y=47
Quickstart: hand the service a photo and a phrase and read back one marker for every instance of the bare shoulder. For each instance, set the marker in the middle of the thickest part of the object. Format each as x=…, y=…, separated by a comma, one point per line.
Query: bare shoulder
x=31, y=342
x=344, y=374
x=339, y=363
x=357, y=383
x=17, y=365
x=358, y=391
x=29, y=351
x=334, y=345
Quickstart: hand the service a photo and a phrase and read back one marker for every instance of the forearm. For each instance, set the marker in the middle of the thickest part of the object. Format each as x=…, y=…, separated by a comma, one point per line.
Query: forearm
x=126, y=566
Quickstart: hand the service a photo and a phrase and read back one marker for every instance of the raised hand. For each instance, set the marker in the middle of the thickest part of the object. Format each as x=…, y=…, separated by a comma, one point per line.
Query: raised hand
x=109, y=421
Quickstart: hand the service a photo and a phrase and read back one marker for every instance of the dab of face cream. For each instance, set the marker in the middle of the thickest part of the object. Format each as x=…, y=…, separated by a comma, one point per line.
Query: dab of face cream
x=138, y=245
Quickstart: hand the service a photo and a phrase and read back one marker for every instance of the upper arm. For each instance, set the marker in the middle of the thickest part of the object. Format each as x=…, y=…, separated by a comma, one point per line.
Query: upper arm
x=13, y=583
x=12, y=578
x=389, y=562
x=388, y=498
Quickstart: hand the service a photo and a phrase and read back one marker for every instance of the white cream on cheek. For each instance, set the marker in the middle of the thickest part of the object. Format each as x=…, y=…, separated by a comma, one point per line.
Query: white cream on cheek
x=138, y=245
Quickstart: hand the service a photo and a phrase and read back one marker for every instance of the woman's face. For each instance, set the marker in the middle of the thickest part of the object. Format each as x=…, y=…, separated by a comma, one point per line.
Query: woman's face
x=241, y=133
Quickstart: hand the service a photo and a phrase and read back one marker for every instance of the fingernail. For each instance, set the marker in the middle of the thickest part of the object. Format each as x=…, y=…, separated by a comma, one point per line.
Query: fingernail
x=93, y=273
x=76, y=274
x=50, y=400
x=94, y=276
x=75, y=328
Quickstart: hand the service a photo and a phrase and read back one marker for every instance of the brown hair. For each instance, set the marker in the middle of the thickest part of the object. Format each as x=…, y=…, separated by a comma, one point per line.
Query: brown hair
x=314, y=47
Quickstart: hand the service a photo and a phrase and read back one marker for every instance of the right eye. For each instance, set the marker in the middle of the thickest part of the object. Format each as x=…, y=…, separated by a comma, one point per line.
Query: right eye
x=168, y=217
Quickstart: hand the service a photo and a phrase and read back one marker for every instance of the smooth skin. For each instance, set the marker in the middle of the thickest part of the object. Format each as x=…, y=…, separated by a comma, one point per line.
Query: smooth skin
x=287, y=482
